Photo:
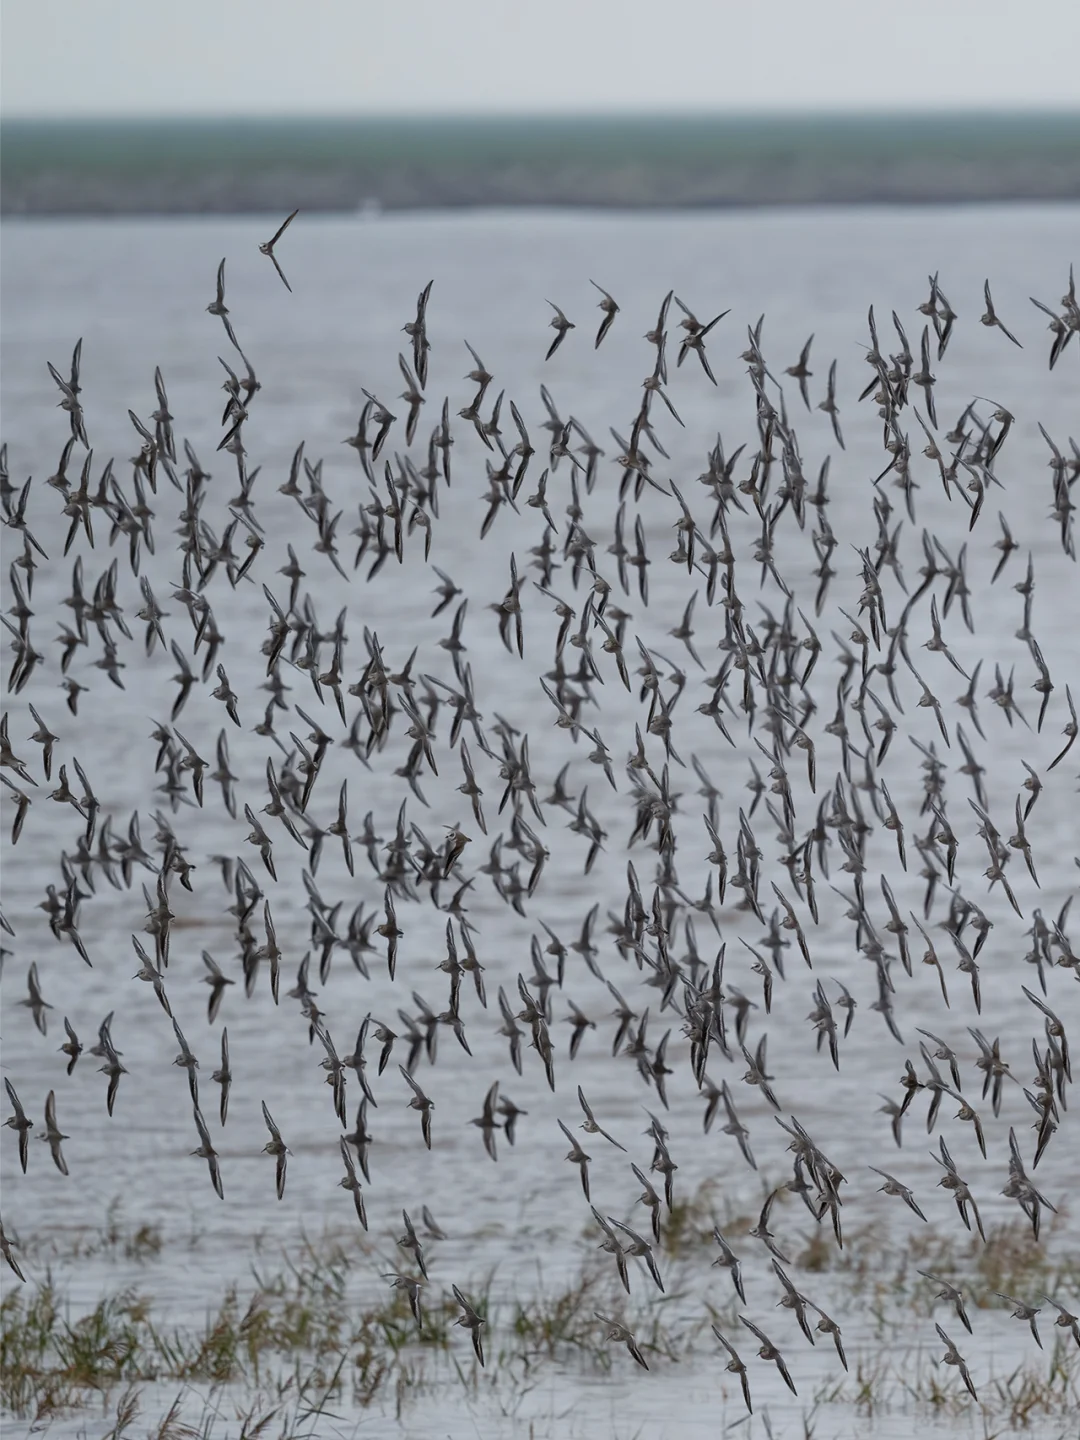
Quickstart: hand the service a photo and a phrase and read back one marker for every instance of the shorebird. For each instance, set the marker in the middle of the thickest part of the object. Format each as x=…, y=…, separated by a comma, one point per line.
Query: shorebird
x=472, y=1321
x=562, y=326
x=768, y=1351
x=610, y=309
x=952, y=1356
x=990, y=319
x=735, y=1365
x=276, y=1146
x=618, y=1332
x=267, y=247
x=20, y=1123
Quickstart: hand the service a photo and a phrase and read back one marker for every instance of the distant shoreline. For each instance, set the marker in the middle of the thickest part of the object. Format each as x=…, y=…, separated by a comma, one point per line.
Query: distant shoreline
x=239, y=166
x=374, y=210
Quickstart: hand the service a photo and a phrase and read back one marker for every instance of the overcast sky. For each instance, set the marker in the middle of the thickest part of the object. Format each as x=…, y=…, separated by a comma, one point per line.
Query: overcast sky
x=131, y=57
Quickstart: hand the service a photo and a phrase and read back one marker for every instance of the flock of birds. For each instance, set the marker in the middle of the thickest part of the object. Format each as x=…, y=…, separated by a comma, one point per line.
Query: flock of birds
x=761, y=681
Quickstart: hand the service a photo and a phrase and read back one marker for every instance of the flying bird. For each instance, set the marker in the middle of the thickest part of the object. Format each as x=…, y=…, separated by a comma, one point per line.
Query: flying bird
x=267, y=247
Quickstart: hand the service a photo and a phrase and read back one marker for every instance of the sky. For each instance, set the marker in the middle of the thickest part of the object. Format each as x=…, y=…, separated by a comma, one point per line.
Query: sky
x=217, y=57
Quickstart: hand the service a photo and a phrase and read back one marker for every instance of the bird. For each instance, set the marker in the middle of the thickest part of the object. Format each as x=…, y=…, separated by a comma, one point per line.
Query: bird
x=610, y=309
x=8, y=757
x=44, y=737
x=590, y=1126
x=487, y=1122
x=735, y=1365
x=800, y=371
x=20, y=1123
x=893, y=1186
x=22, y=805
x=561, y=325
x=218, y=983
x=412, y=1289
x=53, y=1136
x=420, y=1102
x=71, y=1047
x=218, y=307
x=641, y=1248
x=267, y=247
x=618, y=1333
x=990, y=318
x=207, y=1152
x=417, y=332
x=6, y=1251
x=579, y=1158
x=953, y=1294
x=389, y=930
x=792, y=1300
x=768, y=1351
x=730, y=1260
x=1023, y=1311
x=826, y=1325
x=1065, y=1319
x=830, y=406
x=223, y=1075
x=1072, y=729
x=952, y=1356
x=112, y=1068
x=276, y=1146
x=694, y=338
x=351, y=1183
x=650, y=1199
x=472, y=1321
x=35, y=1001
x=410, y=1242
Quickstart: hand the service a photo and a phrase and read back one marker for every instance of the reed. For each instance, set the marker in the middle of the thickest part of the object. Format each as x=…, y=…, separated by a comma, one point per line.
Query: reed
x=322, y=1332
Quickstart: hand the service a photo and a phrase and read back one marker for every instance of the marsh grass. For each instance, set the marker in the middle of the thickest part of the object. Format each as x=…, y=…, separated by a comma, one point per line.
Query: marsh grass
x=1010, y=1258
x=300, y=1333
x=1044, y=1389
x=320, y=1330
x=296, y=1331
x=117, y=1238
x=552, y=1324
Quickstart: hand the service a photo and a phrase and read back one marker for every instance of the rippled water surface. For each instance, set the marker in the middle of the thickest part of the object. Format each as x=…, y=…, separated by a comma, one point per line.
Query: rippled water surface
x=521, y=1229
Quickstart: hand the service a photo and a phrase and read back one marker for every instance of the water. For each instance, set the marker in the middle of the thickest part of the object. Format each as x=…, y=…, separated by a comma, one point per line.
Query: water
x=135, y=291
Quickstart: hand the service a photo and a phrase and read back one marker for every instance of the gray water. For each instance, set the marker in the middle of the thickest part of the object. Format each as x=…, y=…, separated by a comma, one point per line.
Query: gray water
x=136, y=292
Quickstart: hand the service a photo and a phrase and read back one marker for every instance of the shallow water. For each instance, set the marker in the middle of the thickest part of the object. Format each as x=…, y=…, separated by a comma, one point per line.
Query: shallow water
x=135, y=292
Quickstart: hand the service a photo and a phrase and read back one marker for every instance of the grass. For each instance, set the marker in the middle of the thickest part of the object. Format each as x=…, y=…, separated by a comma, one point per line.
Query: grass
x=295, y=1330
x=320, y=1330
x=298, y=1332
x=114, y=1239
x=552, y=1326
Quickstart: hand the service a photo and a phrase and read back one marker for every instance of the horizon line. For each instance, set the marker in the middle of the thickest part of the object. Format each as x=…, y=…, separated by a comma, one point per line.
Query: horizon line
x=452, y=113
